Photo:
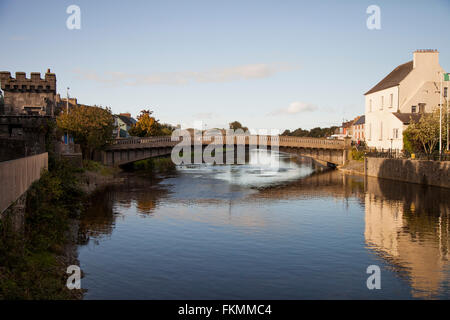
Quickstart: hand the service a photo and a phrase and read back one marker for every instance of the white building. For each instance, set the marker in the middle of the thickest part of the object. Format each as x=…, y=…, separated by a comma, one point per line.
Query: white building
x=404, y=94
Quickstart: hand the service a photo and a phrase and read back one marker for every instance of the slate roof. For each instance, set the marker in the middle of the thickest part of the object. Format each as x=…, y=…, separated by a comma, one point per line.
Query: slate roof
x=361, y=120
x=127, y=120
x=407, y=117
x=394, y=78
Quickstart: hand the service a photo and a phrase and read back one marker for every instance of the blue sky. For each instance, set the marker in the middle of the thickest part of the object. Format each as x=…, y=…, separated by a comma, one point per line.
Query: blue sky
x=268, y=64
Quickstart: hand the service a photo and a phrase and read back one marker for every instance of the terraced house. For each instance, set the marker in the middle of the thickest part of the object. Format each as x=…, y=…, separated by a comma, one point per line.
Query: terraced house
x=410, y=90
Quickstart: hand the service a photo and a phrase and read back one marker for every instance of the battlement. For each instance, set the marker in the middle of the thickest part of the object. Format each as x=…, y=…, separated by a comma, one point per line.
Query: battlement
x=23, y=84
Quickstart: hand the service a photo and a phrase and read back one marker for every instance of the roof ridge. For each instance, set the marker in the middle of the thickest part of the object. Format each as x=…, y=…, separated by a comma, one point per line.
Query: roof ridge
x=393, y=78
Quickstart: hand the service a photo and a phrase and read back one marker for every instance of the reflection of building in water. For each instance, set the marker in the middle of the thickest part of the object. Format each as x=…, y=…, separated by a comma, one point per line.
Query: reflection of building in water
x=410, y=228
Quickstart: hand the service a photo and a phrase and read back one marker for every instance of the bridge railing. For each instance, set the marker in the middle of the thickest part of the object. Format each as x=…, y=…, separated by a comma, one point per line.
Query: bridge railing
x=282, y=141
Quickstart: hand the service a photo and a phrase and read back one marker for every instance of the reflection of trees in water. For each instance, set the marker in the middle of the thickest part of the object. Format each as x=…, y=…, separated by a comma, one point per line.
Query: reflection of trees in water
x=99, y=218
x=408, y=225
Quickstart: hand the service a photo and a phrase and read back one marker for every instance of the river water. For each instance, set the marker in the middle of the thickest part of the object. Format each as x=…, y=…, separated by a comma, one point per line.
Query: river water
x=274, y=228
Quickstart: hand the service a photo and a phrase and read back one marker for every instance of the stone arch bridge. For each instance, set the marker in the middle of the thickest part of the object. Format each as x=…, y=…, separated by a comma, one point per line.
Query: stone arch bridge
x=326, y=152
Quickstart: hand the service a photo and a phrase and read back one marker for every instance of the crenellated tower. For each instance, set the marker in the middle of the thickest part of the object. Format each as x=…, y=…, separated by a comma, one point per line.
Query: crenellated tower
x=28, y=96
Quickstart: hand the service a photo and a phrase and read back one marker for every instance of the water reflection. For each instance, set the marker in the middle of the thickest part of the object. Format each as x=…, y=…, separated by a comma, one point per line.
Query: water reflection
x=263, y=168
x=305, y=234
x=409, y=226
x=109, y=204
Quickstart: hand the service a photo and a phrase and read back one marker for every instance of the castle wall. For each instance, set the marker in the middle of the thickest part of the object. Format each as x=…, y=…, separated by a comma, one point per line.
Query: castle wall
x=28, y=95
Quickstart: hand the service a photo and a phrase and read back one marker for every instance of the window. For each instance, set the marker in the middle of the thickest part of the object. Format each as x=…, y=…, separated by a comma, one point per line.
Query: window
x=395, y=133
x=422, y=107
x=382, y=102
x=370, y=105
x=413, y=109
x=381, y=130
x=391, y=103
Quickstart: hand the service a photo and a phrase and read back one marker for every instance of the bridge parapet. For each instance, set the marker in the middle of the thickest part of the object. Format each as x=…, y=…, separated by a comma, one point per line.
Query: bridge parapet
x=282, y=141
x=123, y=151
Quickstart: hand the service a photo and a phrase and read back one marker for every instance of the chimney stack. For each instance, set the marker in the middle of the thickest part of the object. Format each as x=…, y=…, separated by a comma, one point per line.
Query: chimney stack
x=425, y=58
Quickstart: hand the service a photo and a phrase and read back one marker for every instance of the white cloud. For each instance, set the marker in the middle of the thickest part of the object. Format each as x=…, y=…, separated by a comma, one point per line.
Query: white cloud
x=244, y=72
x=295, y=108
x=205, y=115
x=18, y=38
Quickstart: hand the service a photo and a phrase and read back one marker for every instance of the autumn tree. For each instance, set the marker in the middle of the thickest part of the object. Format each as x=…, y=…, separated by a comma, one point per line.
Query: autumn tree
x=91, y=127
x=423, y=135
x=147, y=126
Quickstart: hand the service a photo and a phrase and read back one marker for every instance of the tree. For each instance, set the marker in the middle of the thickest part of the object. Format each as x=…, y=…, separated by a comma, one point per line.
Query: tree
x=315, y=132
x=237, y=125
x=423, y=135
x=148, y=126
x=91, y=127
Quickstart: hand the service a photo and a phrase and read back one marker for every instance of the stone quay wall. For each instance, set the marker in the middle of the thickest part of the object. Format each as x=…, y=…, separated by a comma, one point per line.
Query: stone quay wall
x=434, y=173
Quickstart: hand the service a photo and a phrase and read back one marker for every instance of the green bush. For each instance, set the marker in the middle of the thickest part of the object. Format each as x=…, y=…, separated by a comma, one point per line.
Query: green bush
x=153, y=165
x=357, y=155
x=95, y=166
x=29, y=268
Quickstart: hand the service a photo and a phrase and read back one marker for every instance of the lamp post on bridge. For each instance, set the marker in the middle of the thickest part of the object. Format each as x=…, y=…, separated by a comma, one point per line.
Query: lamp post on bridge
x=67, y=112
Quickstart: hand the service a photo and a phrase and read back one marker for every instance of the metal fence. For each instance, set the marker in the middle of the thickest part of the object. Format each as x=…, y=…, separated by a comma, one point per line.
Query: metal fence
x=397, y=154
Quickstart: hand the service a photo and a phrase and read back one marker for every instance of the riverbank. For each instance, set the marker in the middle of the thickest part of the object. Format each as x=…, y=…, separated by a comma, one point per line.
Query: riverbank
x=352, y=167
x=39, y=234
x=38, y=238
x=425, y=172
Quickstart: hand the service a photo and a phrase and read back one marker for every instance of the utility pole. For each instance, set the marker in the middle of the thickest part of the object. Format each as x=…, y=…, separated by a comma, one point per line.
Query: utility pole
x=440, y=116
x=448, y=132
x=67, y=104
x=67, y=112
x=447, y=79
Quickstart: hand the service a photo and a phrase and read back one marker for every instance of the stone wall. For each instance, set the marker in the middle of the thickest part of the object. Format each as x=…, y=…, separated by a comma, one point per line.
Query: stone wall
x=16, y=176
x=23, y=135
x=28, y=96
x=11, y=149
x=434, y=173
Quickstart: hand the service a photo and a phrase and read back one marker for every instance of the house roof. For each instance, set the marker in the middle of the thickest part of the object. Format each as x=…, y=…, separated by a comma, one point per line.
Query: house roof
x=406, y=118
x=127, y=120
x=394, y=78
x=361, y=120
x=347, y=124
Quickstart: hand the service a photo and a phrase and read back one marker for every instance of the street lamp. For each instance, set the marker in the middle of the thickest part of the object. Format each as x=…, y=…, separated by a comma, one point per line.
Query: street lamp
x=391, y=144
x=67, y=113
x=67, y=102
